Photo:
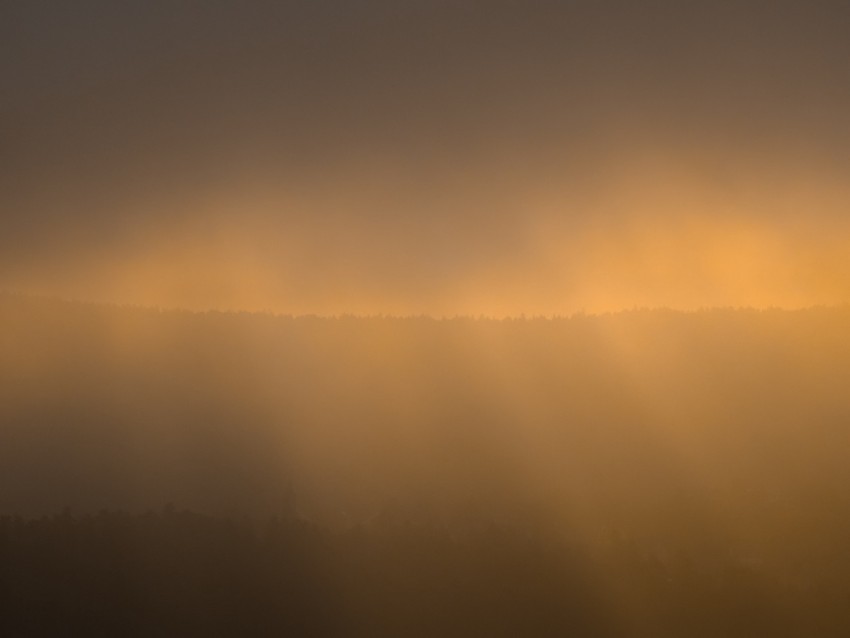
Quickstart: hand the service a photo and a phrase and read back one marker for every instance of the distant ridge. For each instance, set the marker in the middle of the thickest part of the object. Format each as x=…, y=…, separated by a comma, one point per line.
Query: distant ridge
x=10, y=295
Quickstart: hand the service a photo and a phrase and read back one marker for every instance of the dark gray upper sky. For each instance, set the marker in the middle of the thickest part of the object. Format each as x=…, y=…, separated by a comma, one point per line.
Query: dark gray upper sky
x=413, y=143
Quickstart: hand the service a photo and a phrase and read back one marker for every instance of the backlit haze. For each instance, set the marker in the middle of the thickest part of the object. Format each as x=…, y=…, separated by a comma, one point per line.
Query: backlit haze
x=442, y=158
x=535, y=318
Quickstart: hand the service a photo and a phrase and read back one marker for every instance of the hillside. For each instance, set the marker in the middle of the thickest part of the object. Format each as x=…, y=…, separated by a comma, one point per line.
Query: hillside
x=595, y=418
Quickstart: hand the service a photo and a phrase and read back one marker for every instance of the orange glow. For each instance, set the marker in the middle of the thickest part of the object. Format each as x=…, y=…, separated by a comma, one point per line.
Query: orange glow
x=550, y=266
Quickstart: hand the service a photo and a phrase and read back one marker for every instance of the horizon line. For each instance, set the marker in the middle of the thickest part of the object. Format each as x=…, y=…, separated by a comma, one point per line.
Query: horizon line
x=522, y=316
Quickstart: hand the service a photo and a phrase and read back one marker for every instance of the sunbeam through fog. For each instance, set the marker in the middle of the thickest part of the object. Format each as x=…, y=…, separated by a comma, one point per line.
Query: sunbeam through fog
x=425, y=318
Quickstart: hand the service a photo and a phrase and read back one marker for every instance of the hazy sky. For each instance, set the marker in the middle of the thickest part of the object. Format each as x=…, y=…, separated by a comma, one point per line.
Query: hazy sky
x=412, y=156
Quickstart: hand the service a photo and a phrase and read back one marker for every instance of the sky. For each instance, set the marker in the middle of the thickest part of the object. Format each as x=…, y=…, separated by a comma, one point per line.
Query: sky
x=426, y=157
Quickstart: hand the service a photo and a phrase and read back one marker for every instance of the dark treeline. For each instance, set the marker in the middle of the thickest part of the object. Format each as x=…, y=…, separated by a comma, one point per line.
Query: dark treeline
x=712, y=444
x=182, y=574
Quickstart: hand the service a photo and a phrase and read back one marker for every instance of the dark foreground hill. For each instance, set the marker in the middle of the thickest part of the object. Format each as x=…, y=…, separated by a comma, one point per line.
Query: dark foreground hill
x=183, y=574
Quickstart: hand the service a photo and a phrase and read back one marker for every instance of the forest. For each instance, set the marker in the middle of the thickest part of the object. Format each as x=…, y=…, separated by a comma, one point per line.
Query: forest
x=648, y=472
x=177, y=573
